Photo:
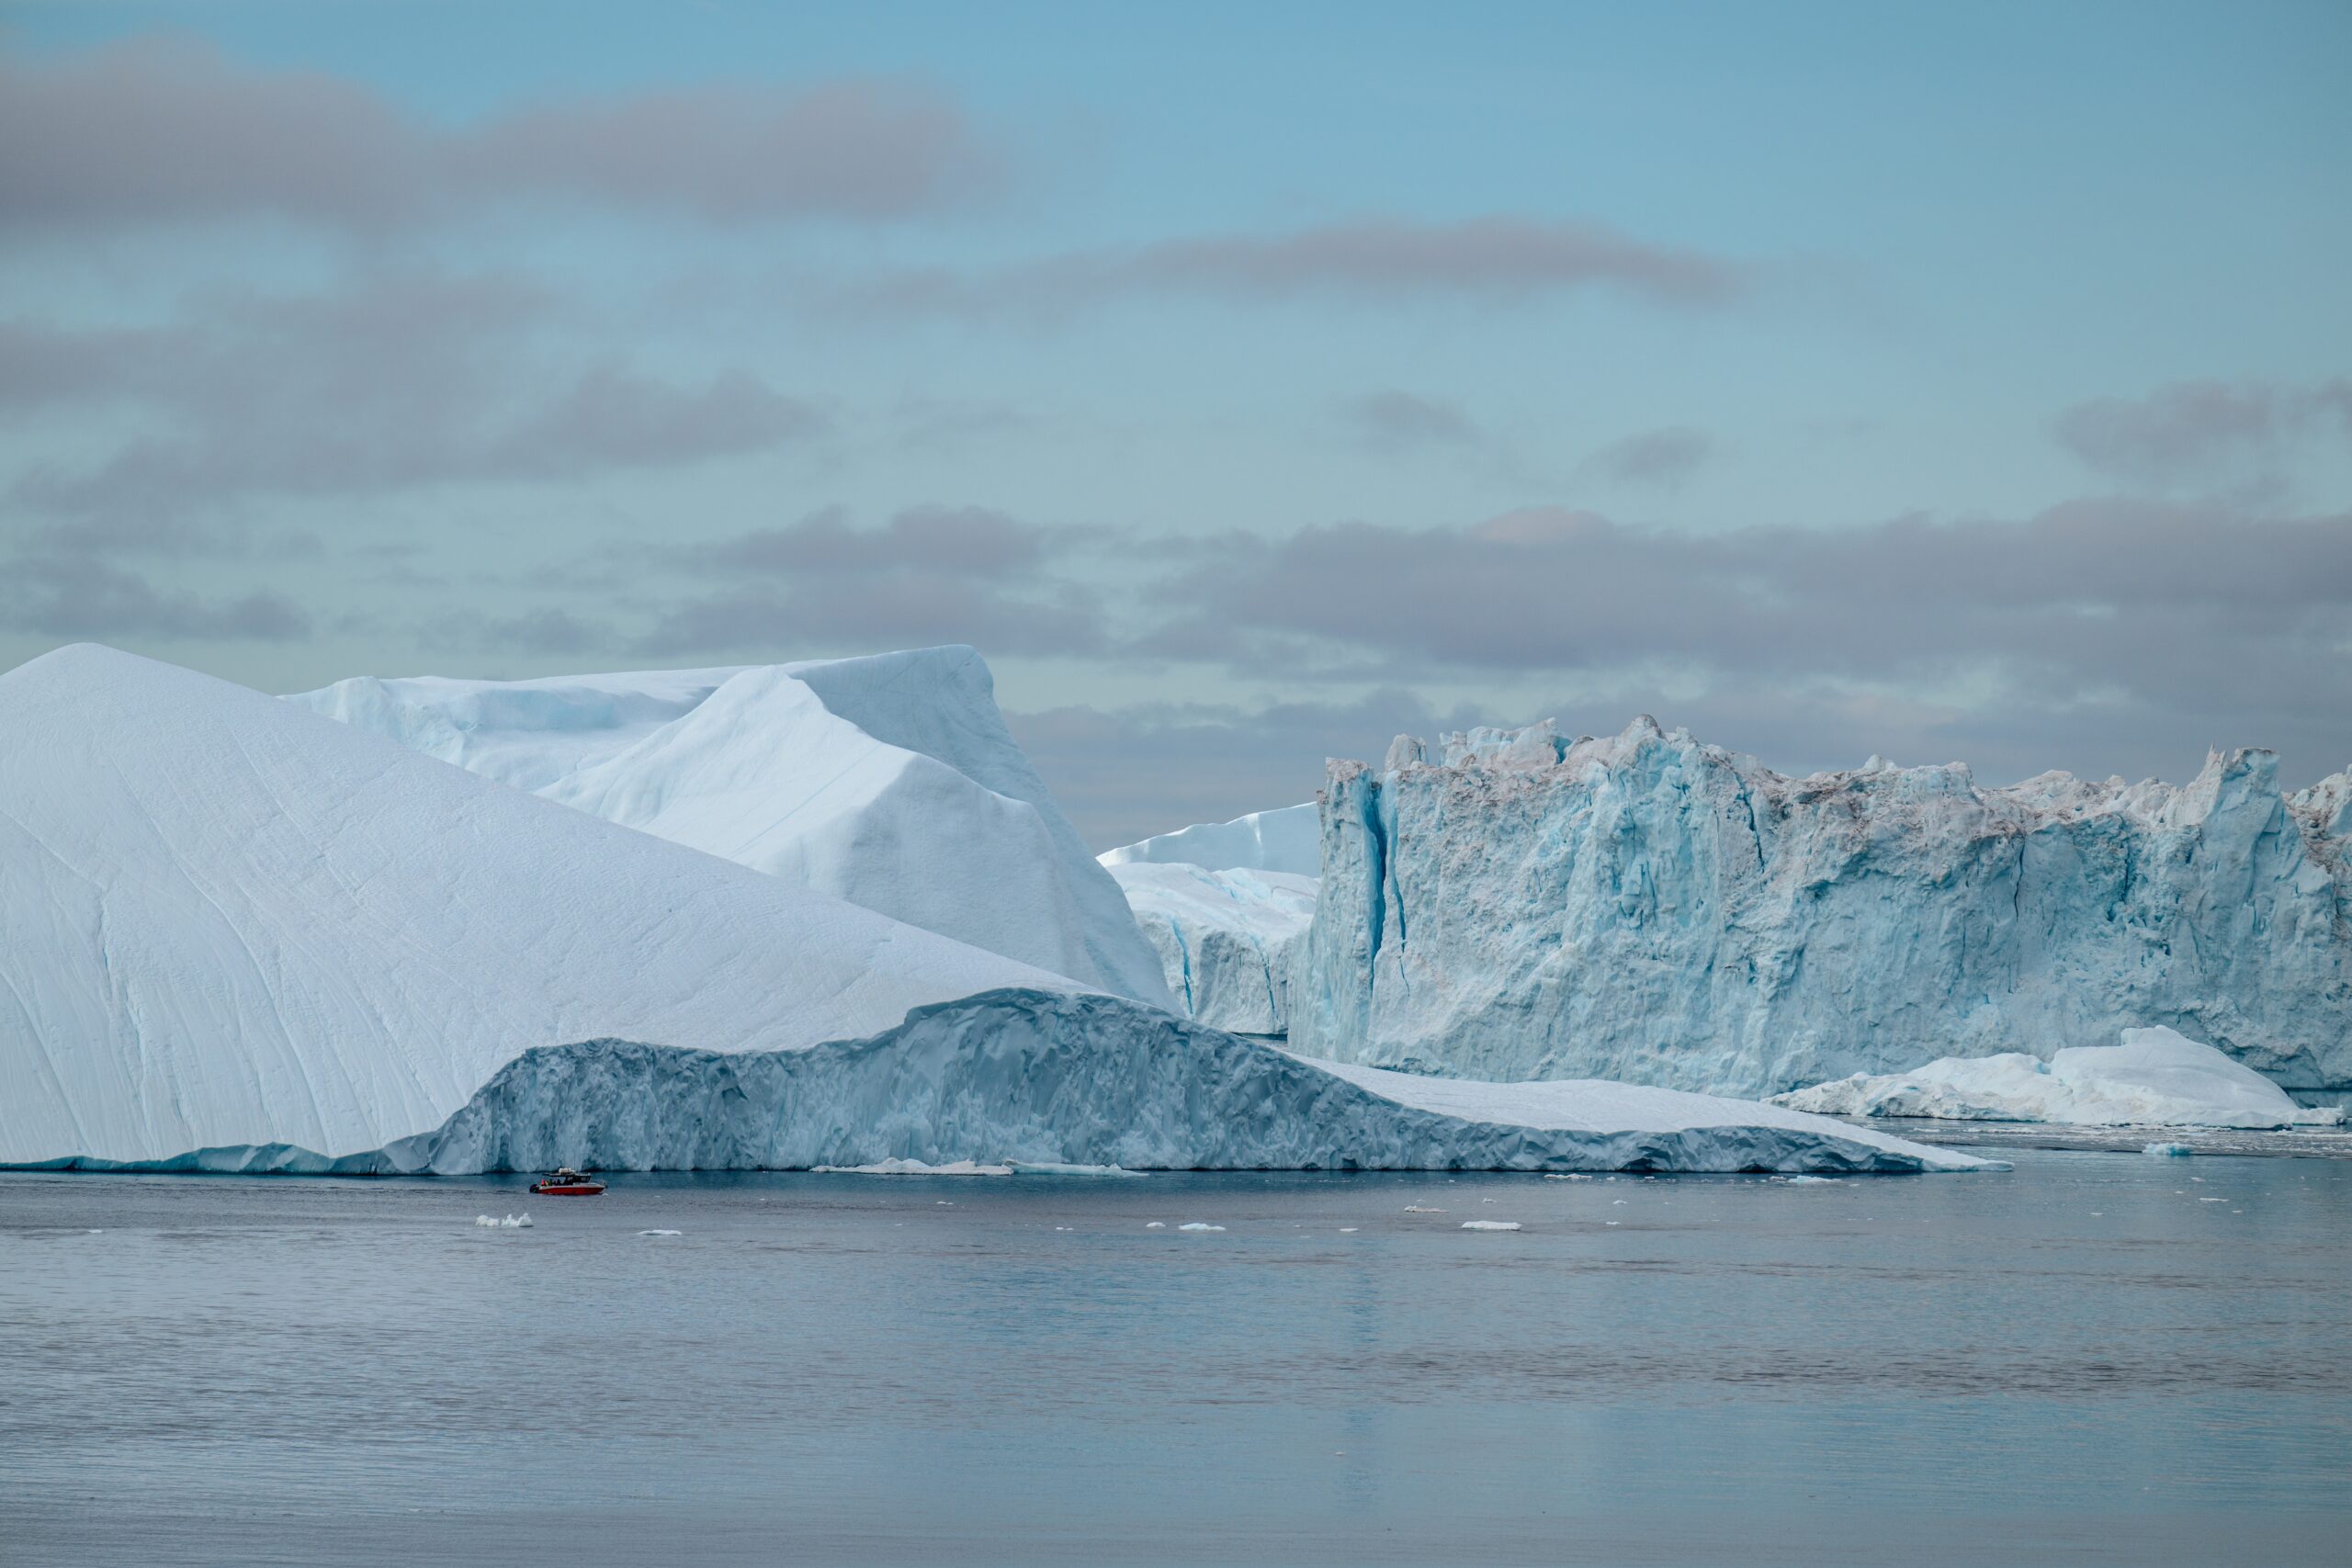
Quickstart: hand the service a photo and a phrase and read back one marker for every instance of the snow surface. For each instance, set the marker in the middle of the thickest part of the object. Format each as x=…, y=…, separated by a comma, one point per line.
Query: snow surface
x=1226, y=938
x=229, y=921
x=1289, y=841
x=1652, y=909
x=2157, y=1078
x=890, y=781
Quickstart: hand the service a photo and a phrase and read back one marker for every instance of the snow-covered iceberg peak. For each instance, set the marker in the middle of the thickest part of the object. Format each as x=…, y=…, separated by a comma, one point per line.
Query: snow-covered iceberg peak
x=2157, y=1078
x=1288, y=840
x=1646, y=908
x=228, y=921
x=890, y=781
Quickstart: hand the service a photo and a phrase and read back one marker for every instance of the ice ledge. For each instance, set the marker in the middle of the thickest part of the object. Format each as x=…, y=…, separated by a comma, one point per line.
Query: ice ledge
x=1040, y=1077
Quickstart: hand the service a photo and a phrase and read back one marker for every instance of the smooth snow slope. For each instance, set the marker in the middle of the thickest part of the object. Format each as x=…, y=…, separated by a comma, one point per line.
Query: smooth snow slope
x=230, y=922
x=2157, y=1078
x=1046, y=1079
x=1289, y=841
x=1653, y=911
x=890, y=781
x=1226, y=938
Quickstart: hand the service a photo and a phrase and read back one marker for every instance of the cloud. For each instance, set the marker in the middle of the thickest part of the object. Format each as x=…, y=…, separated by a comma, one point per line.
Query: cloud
x=386, y=382
x=169, y=130
x=1400, y=422
x=2192, y=430
x=1497, y=260
x=2201, y=608
x=971, y=540
x=71, y=597
x=1661, y=457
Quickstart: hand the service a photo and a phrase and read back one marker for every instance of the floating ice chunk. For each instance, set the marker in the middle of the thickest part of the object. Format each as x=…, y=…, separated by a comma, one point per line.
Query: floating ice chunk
x=1566, y=1175
x=1197, y=1225
x=1420, y=1209
x=2169, y=1150
x=1490, y=1224
x=2157, y=1078
x=660, y=1233
x=511, y=1223
x=1155, y=1224
x=1349, y=1230
x=1811, y=1182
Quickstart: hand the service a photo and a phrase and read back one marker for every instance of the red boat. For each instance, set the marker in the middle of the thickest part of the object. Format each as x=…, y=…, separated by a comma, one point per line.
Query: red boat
x=566, y=1183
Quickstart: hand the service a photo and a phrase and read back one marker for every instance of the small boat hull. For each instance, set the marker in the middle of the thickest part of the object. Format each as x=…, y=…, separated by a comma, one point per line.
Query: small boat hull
x=567, y=1188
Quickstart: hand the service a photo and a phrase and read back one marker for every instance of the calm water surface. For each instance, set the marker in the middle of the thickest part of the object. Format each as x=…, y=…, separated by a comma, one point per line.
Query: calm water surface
x=2098, y=1358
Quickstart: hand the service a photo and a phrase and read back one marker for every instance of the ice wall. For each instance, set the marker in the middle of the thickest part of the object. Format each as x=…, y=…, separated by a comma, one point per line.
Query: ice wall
x=1649, y=908
x=1054, y=1079
x=1226, y=940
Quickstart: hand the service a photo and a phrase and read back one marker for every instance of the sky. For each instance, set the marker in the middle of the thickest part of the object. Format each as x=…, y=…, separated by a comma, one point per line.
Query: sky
x=1247, y=383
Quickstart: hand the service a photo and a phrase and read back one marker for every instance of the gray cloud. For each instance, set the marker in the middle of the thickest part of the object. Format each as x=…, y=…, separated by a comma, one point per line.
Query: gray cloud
x=2191, y=610
x=871, y=613
x=1663, y=458
x=1499, y=260
x=2192, y=430
x=170, y=130
x=1400, y=422
x=74, y=597
x=971, y=540
x=389, y=382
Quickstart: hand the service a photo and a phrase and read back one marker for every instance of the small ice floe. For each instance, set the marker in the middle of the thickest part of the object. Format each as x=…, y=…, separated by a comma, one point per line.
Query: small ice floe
x=1813, y=1181
x=1608, y=1221
x=1047, y=1168
x=915, y=1167
x=660, y=1233
x=1420, y=1209
x=2169, y=1151
x=1349, y=1230
x=1490, y=1224
x=1155, y=1224
x=1061, y=1228
x=1566, y=1175
x=1197, y=1225
x=511, y=1223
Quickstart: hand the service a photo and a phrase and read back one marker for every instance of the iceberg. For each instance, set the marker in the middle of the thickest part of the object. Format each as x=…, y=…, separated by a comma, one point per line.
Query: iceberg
x=242, y=937
x=2157, y=1078
x=232, y=922
x=1226, y=938
x=1652, y=909
x=1289, y=841
x=890, y=781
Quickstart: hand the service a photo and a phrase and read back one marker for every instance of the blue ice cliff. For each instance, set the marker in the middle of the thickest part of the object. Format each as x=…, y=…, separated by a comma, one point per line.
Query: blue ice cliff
x=1649, y=908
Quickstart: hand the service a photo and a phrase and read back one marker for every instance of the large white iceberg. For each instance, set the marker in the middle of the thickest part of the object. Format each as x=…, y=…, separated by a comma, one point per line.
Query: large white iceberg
x=1226, y=938
x=226, y=920
x=890, y=781
x=2157, y=1078
x=237, y=935
x=1288, y=840
x=1651, y=909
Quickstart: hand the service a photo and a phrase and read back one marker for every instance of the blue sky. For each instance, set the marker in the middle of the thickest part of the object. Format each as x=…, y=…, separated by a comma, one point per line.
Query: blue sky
x=1941, y=381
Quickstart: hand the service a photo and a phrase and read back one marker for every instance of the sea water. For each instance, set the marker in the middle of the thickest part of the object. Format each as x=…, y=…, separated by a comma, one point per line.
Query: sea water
x=2097, y=1357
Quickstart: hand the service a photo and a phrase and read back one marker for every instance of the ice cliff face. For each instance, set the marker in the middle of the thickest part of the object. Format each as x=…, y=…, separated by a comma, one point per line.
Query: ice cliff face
x=1289, y=841
x=1649, y=908
x=1226, y=940
x=890, y=781
x=1050, y=1078
x=224, y=921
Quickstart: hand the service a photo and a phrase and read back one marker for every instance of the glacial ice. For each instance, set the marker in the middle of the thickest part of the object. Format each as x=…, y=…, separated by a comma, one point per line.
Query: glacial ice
x=1289, y=841
x=1226, y=940
x=890, y=781
x=242, y=937
x=230, y=923
x=1651, y=909
x=2157, y=1078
